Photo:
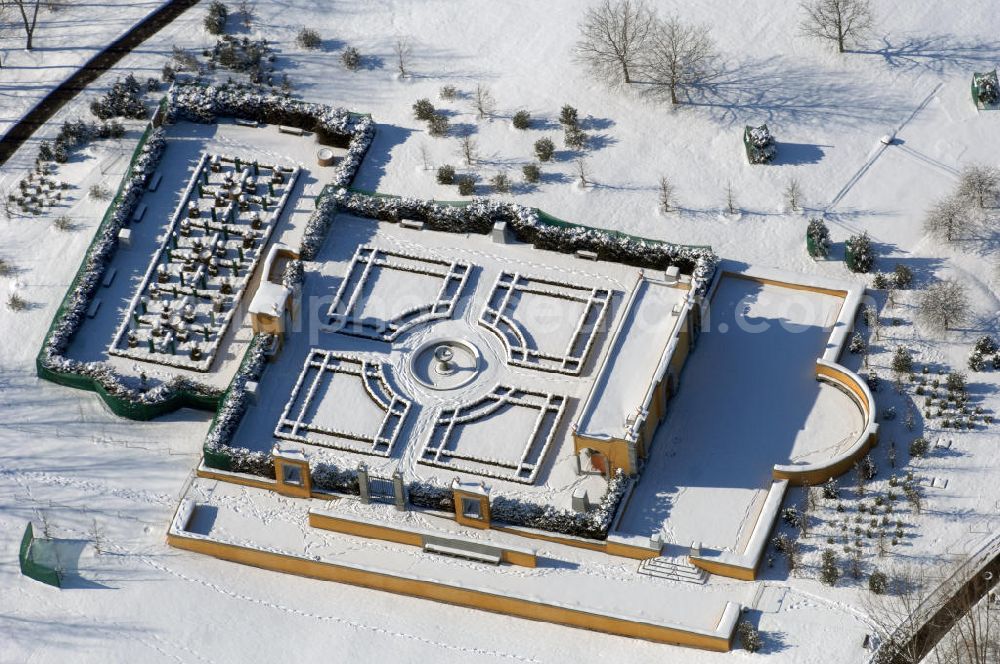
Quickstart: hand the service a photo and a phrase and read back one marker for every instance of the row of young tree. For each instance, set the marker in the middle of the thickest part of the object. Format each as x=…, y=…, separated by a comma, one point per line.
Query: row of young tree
x=625, y=41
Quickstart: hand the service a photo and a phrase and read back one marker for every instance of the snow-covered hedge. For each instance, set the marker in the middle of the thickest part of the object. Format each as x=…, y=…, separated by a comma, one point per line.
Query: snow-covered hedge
x=480, y=215
x=234, y=405
x=197, y=102
x=52, y=357
x=593, y=524
x=293, y=275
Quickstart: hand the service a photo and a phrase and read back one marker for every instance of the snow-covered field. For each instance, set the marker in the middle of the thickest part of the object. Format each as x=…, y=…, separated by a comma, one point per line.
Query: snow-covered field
x=63, y=455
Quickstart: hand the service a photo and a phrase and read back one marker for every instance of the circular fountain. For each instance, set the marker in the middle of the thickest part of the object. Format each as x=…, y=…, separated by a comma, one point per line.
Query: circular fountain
x=445, y=364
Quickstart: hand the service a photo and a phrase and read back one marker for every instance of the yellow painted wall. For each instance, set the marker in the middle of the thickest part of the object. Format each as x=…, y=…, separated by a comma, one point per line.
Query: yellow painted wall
x=451, y=595
x=616, y=450
x=723, y=569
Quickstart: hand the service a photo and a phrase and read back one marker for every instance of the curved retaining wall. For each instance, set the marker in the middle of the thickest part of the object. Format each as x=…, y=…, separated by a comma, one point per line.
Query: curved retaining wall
x=855, y=387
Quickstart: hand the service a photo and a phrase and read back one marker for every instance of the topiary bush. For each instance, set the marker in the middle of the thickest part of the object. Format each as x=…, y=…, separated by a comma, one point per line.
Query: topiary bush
x=446, y=174
x=544, y=149
x=817, y=239
x=860, y=255
x=308, y=38
x=215, y=19
x=423, y=109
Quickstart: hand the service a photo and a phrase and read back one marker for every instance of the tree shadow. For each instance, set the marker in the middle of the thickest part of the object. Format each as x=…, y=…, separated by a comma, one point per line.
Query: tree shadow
x=937, y=53
x=776, y=90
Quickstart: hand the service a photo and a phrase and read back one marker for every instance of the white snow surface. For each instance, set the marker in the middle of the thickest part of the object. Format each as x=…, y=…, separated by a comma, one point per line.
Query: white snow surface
x=63, y=454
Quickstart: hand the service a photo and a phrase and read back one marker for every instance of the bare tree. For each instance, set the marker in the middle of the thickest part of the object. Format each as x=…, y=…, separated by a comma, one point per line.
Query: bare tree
x=731, y=206
x=666, y=193
x=899, y=613
x=468, y=149
x=974, y=637
x=248, y=12
x=483, y=101
x=678, y=57
x=841, y=21
x=583, y=171
x=948, y=219
x=613, y=36
x=979, y=185
x=28, y=9
x=425, y=156
x=944, y=303
x=402, y=49
x=793, y=194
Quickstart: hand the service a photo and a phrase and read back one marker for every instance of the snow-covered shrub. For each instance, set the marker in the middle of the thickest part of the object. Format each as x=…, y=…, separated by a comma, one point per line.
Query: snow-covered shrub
x=215, y=18
x=500, y=183
x=15, y=302
x=986, y=345
x=575, y=138
x=857, y=344
x=308, y=38
x=521, y=120
x=919, y=447
x=860, y=255
x=431, y=495
x=423, y=109
x=293, y=275
x=977, y=361
x=568, y=117
x=544, y=149
x=987, y=88
x=480, y=215
x=466, y=185
x=123, y=100
x=902, y=276
x=350, y=58
x=447, y=92
x=531, y=172
x=749, y=636
x=327, y=477
x=830, y=489
x=242, y=55
x=817, y=239
x=955, y=382
x=902, y=361
x=760, y=145
x=791, y=517
x=881, y=281
x=446, y=174
x=829, y=570
x=878, y=582
x=438, y=125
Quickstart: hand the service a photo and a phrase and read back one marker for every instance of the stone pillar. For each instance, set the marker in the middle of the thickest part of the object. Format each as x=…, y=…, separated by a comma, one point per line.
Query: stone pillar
x=363, y=484
x=398, y=491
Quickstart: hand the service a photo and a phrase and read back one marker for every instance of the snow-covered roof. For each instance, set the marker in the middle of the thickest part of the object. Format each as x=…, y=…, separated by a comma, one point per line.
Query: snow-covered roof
x=269, y=299
x=634, y=360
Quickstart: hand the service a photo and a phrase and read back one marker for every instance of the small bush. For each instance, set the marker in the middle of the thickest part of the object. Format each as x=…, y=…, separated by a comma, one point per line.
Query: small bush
x=447, y=92
x=215, y=19
x=902, y=276
x=881, y=281
x=575, y=138
x=986, y=345
x=860, y=255
x=446, y=174
x=501, y=183
x=16, y=303
x=6, y=269
x=168, y=74
x=568, y=116
x=308, y=38
x=123, y=100
x=63, y=223
x=532, y=174
x=830, y=489
x=423, y=109
x=857, y=344
x=99, y=192
x=521, y=120
x=955, y=381
x=544, y=149
x=466, y=185
x=919, y=447
x=829, y=570
x=749, y=636
x=817, y=238
x=351, y=58
x=878, y=583
x=791, y=516
x=438, y=125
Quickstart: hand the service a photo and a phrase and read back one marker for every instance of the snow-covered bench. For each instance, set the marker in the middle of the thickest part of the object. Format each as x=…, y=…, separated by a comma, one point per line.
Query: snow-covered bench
x=457, y=552
x=95, y=306
x=294, y=131
x=247, y=123
x=154, y=182
x=125, y=237
x=414, y=224
x=140, y=212
x=586, y=254
x=109, y=276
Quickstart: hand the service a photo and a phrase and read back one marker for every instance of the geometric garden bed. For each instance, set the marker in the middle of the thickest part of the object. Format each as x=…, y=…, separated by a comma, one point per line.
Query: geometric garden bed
x=198, y=276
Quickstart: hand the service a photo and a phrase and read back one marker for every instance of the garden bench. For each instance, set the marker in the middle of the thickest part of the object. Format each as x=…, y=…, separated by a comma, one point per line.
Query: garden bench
x=247, y=123
x=294, y=131
x=109, y=276
x=586, y=254
x=455, y=552
x=414, y=224
x=125, y=237
x=95, y=306
x=154, y=182
x=140, y=212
